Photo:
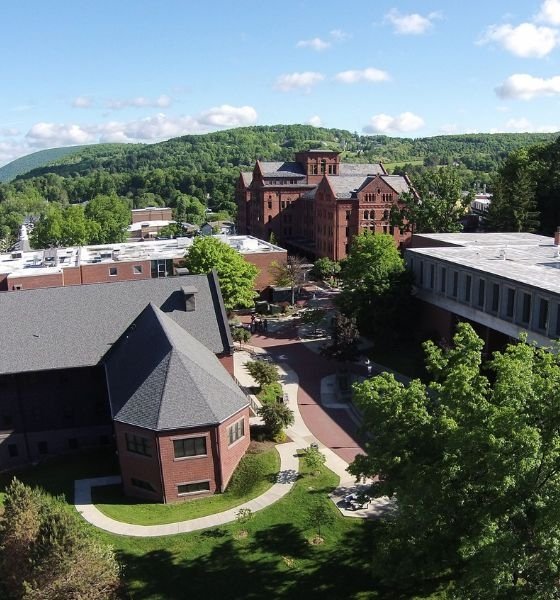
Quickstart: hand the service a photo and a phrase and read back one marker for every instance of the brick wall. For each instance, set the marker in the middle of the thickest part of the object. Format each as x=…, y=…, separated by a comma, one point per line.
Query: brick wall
x=155, y=214
x=72, y=276
x=3, y=282
x=190, y=469
x=100, y=272
x=262, y=261
x=231, y=455
x=138, y=466
x=33, y=282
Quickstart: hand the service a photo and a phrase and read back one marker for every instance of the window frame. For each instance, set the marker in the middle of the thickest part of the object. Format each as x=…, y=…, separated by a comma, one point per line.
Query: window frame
x=184, y=439
x=186, y=483
x=137, y=444
x=230, y=430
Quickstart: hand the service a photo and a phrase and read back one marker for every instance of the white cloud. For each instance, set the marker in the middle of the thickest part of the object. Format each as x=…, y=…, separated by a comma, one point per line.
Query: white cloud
x=410, y=24
x=524, y=125
x=298, y=81
x=149, y=129
x=9, y=131
x=315, y=120
x=356, y=76
x=162, y=101
x=526, y=40
x=550, y=12
x=402, y=123
x=524, y=87
x=228, y=116
x=82, y=102
x=316, y=44
x=338, y=35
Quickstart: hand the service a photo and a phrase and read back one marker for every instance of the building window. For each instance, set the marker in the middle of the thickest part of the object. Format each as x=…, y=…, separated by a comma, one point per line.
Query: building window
x=43, y=448
x=143, y=485
x=455, y=284
x=193, y=446
x=495, y=297
x=17, y=287
x=543, y=314
x=510, y=302
x=432, y=276
x=193, y=488
x=443, y=280
x=270, y=204
x=137, y=444
x=347, y=231
x=269, y=218
x=421, y=272
x=526, y=308
x=113, y=271
x=347, y=215
x=236, y=431
x=481, y=292
x=137, y=269
x=12, y=450
x=468, y=286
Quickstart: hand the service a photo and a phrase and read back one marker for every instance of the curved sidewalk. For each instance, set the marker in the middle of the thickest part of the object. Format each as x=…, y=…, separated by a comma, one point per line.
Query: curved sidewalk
x=285, y=480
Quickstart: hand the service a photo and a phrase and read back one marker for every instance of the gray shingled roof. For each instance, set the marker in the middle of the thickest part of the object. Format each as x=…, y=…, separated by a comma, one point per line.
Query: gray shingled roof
x=345, y=186
x=363, y=170
x=397, y=182
x=178, y=384
x=282, y=169
x=61, y=328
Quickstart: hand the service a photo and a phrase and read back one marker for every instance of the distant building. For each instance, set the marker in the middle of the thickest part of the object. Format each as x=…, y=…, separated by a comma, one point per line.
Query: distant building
x=143, y=365
x=148, y=222
x=501, y=283
x=316, y=204
x=108, y=263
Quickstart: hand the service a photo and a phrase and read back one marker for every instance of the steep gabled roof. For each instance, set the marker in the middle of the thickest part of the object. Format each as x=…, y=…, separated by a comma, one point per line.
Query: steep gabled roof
x=68, y=327
x=161, y=378
x=361, y=170
x=397, y=182
x=282, y=169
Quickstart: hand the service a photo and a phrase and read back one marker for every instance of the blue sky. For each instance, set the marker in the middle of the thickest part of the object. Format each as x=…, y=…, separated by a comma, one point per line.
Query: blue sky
x=142, y=71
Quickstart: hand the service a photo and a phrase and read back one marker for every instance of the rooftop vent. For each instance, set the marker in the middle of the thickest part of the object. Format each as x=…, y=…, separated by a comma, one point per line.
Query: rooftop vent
x=189, y=292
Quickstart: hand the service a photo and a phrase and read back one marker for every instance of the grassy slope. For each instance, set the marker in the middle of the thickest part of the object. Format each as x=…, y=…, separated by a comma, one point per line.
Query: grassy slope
x=111, y=502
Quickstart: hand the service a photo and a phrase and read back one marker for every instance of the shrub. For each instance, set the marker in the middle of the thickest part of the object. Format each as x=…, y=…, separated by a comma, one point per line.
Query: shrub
x=276, y=417
x=262, y=372
x=314, y=459
x=270, y=393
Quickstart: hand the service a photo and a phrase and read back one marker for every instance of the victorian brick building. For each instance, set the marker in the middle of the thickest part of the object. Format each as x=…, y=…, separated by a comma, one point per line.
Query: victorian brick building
x=317, y=204
x=146, y=364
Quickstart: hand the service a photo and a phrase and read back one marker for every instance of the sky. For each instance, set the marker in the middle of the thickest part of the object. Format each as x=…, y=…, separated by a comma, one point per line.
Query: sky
x=82, y=72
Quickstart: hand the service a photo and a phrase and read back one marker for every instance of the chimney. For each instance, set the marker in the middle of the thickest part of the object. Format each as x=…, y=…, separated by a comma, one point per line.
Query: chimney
x=189, y=292
x=557, y=237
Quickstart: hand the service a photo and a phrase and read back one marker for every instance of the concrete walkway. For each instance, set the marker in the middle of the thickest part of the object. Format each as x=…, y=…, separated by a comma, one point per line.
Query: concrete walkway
x=285, y=480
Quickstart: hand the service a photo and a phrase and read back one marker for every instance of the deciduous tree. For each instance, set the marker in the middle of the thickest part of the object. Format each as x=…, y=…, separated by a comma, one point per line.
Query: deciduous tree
x=236, y=275
x=289, y=274
x=276, y=417
x=262, y=372
x=473, y=461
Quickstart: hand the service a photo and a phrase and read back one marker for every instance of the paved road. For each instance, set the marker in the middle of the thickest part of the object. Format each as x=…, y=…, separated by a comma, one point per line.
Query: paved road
x=333, y=427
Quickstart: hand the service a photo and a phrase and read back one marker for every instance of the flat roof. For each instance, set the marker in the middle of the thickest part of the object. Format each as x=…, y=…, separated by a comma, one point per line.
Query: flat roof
x=53, y=260
x=525, y=258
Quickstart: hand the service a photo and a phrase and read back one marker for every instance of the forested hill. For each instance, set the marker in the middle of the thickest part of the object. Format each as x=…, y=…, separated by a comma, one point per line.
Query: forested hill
x=240, y=147
x=199, y=171
x=23, y=165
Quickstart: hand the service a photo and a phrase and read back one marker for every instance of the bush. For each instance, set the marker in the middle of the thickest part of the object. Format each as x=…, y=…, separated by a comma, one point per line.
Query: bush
x=270, y=393
x=262, y=372
x=276, y=417
x=247, y=475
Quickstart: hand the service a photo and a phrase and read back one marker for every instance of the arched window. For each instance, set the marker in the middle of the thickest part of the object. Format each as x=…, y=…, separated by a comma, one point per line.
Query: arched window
x=385, y=215
x=372, y=215
x=366, y=215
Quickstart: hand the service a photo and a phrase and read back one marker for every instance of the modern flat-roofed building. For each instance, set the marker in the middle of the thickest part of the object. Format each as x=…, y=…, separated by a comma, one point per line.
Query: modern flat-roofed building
x=131, y=261
x=317, y=204
x=502, y=283
x=144, y=365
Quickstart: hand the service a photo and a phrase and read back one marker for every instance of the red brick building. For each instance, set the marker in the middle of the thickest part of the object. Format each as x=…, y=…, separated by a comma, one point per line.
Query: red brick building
x=143, y=364
x=317, y=204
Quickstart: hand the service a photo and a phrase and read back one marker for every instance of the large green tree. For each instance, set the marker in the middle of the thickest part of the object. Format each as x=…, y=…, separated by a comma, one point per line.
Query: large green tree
x=236, y=275
x=441, y=203
x=46, y=553
x=514, y=204
x=375, y=286
x=473, y=460
x=110, y=216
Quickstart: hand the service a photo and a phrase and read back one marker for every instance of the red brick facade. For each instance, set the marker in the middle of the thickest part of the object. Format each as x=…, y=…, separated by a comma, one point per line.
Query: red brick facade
x=158, y=473
x=306, y=212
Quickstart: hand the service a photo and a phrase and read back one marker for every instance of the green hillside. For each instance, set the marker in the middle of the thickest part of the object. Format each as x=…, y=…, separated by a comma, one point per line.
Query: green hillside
x=33, y=161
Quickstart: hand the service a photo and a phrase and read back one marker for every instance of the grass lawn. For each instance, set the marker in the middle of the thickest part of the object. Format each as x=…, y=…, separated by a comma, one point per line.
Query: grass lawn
x=111, y=501
x=274, y=561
